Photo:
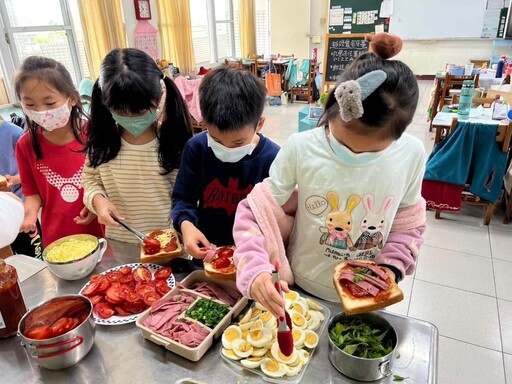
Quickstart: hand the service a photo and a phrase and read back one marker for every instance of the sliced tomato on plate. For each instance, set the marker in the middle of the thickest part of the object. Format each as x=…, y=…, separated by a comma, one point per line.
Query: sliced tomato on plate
x=115, y=295
x=151, y=297
x=114, y=276
x=161, y=287
x=134, y=307
x=163, y=273
x=126, y=279
x=125, y=271
x=142, y=274
x=95, y=299
x=39, y=333
x=91, y=289
x=142, y=289
x=121, y=312
x=104, y=310
x=104, y=284
x=225, y=252
x=94, y=277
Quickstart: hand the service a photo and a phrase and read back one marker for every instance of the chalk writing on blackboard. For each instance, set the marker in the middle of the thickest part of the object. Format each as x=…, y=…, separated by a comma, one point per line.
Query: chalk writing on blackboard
x=341, y=51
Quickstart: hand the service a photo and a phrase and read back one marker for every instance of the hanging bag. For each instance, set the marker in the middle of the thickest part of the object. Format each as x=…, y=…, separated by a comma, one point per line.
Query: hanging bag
x=273, y=83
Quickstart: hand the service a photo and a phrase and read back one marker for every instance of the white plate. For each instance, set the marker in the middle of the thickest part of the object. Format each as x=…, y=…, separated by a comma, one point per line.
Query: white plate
x=117, y=320
x=26, y=266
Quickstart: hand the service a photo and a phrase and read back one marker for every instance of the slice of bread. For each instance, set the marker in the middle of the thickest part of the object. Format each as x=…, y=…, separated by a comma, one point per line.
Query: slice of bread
x=354, y=305
x=228, y=273
x=3, y=182
x=162, y=256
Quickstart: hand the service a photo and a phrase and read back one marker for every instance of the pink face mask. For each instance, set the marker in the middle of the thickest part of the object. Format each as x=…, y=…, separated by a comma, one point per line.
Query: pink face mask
x=51, y=119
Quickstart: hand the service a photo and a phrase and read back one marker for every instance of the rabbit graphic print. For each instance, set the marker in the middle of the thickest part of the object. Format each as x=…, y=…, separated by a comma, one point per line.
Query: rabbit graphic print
x=339, y=235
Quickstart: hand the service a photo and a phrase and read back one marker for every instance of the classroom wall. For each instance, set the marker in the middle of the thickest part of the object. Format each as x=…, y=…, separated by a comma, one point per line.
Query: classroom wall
x=131, y=22
x=290, y=25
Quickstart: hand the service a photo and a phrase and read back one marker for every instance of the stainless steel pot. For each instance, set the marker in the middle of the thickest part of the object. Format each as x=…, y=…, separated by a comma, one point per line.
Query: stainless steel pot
x=360, y=368
x=65, y=350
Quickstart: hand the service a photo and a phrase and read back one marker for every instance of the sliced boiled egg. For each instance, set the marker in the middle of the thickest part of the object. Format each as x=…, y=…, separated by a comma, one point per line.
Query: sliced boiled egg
x=304, y=355
x=293, y=371
x=259, y=306
x=259, y=352
x=229, y=354
x=278, y=355
x=313, y=323
x=255, y=315
x=268, y=320
x=297, y=362
x=242, y=348
x=245, y=333
x=244, y=326
x=312, y=304
x=299, y=306
x=272, y=368
x=311, y=339
x=292, y=295
x=298, y=319
x=298, y=337
x=245, y=318
x=259, y=337
x=318, y=314
x=251, y=362
x=258, y=324
x=230, y=334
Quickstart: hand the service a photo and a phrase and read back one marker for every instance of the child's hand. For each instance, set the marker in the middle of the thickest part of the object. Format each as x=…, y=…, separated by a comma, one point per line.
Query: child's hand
x=85, y=217
x=264, y=292
x=192, y=237
x=28, y=225
x=12, y=180
x=104, y=208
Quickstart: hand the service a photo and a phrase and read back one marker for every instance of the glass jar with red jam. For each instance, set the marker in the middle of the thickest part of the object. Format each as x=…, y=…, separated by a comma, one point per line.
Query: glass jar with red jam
x=12, y=305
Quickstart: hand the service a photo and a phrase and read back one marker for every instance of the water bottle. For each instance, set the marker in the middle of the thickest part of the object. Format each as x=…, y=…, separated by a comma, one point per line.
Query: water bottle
x=466, y=98
x=499, y=68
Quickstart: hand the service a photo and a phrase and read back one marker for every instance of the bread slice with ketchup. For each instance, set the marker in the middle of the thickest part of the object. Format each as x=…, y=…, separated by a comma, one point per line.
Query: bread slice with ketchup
x=363, y=286
x=170, y=247
x=219, y=264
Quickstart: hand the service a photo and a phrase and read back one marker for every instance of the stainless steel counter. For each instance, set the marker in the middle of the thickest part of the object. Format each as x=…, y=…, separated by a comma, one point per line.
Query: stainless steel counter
x=121, y=355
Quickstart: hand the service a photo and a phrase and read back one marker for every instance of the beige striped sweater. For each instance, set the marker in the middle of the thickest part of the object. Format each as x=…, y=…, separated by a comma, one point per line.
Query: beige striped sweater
x=134, y=184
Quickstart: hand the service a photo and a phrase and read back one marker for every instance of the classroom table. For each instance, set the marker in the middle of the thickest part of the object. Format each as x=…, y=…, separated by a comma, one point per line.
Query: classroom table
x=121, y=355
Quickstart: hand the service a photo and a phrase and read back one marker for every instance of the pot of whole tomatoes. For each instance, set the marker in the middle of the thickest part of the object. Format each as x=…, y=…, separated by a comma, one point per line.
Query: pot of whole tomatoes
x=59, y=332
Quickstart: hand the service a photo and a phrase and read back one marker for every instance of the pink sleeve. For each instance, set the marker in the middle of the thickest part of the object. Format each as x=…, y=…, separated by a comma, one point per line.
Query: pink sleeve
x=28, y=182
x=405, y=239
x=251, y=258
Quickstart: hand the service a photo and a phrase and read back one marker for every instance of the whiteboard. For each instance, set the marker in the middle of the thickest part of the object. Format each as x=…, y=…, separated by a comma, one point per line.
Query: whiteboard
x=437, y=19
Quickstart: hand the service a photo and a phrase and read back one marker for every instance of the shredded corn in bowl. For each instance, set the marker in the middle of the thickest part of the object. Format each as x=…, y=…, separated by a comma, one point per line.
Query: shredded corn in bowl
x=70, y=249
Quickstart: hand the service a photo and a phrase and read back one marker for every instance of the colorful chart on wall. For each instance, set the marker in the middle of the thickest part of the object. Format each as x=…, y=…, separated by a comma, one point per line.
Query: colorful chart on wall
x=356, y=16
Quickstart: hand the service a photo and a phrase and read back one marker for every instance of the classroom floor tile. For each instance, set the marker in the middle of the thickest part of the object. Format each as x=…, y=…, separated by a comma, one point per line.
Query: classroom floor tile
x=463, y=281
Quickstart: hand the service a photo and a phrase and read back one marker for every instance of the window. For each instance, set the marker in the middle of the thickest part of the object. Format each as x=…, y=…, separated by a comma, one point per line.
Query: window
x=216, y=29
x=48, y=28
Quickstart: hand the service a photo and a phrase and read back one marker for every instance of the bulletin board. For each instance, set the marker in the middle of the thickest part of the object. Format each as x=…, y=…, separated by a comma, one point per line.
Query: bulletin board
x=356, y=16
x=340, y=50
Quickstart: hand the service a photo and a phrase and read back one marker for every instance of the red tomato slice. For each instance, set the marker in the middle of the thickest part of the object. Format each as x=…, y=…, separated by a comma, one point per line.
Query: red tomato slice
x=163, y=273
x=114, y=295
x=104, y=310
x=125, y=271
x=91, y=289
x=74, y=322
x=104, y=284
x=225, y=252
x=39, y=333
x=151, y=297
x=151, y=250
x=60, y=326
x=114, y=276
x=142, y=289
x=126, y=279
x=132, y=297
x=121, y=312
x=162, y=289
x=136, y=307
x=142, y=275
x=96, y=299
x=172, y=246
x=221, y=263
x=94, y=277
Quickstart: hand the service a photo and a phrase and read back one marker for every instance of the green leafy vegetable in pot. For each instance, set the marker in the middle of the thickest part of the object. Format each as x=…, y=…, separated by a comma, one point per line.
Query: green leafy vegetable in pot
x=208, y=312
x=359, y=339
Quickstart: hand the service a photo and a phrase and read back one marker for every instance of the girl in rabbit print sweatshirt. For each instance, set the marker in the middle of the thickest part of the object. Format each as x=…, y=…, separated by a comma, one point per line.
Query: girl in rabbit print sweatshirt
x=354, y=184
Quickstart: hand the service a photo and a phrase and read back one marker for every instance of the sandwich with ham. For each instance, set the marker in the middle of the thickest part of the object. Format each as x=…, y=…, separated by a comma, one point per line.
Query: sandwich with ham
x=363, y=286
x=219, y=264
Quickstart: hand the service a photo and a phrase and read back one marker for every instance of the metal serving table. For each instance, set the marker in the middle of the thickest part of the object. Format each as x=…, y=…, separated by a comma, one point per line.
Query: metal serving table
x=121, y=355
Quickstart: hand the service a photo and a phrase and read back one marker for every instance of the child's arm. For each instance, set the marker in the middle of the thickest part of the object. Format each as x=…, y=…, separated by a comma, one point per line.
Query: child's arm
x=95, y=197
x=404, y=240
x=32, y=206
x=185, y=197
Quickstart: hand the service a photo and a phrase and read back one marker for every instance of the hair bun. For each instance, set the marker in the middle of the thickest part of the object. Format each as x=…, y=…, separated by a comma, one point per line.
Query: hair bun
x=384, y=45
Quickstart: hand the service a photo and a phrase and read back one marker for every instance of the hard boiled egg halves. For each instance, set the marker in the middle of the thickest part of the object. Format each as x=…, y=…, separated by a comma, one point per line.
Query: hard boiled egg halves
x=272, y=368
x=232, y=333
x=259, y=337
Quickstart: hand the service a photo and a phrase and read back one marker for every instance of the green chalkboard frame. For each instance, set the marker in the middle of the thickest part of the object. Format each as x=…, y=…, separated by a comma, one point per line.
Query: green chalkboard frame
x=357, y=6
x=328, y=57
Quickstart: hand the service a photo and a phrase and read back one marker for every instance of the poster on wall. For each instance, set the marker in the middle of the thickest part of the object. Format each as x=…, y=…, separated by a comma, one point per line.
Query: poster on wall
x=355, y=16
x=146, y=38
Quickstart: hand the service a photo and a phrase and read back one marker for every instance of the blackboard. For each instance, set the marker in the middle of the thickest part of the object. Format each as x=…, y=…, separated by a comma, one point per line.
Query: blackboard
x=356, y=16
x=339, y=52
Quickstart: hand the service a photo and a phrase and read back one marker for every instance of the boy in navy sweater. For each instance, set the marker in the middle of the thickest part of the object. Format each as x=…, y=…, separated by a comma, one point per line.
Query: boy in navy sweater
x=220, y=167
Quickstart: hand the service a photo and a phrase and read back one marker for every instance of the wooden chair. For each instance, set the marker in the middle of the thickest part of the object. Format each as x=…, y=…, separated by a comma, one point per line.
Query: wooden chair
x=260, y=65
x=292, y=56
x=503, y=137
x=477, y=101
x=452, y=85
x=237, y=64
x=306, y=91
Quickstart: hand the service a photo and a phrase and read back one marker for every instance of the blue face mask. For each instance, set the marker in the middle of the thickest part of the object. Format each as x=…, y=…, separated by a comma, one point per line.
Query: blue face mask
x=136, y=125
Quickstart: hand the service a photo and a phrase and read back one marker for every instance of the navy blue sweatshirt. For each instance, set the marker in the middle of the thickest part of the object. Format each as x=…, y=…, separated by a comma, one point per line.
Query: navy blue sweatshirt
x=207, y=190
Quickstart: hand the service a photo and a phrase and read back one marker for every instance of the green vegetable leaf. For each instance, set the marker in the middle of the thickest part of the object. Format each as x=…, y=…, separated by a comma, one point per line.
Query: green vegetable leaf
x=350, y=349
x=357, y=279
x=399, y=378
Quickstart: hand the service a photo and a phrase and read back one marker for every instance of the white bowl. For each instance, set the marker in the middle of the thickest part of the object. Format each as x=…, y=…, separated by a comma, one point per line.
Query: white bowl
x=77, y=268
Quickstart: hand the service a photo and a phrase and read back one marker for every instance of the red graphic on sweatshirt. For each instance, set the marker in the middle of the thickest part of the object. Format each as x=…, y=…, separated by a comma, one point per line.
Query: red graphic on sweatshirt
x=217, y=195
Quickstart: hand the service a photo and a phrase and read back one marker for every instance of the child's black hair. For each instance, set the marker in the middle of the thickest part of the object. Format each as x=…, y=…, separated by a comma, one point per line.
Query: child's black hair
x=130, y=83
x=231, y=98
x=392, y=105
x=56, y=76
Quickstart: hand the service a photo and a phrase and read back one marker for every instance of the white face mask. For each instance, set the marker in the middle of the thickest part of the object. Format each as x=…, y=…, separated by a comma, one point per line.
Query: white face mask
x=52, y=118
x=230, y=155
